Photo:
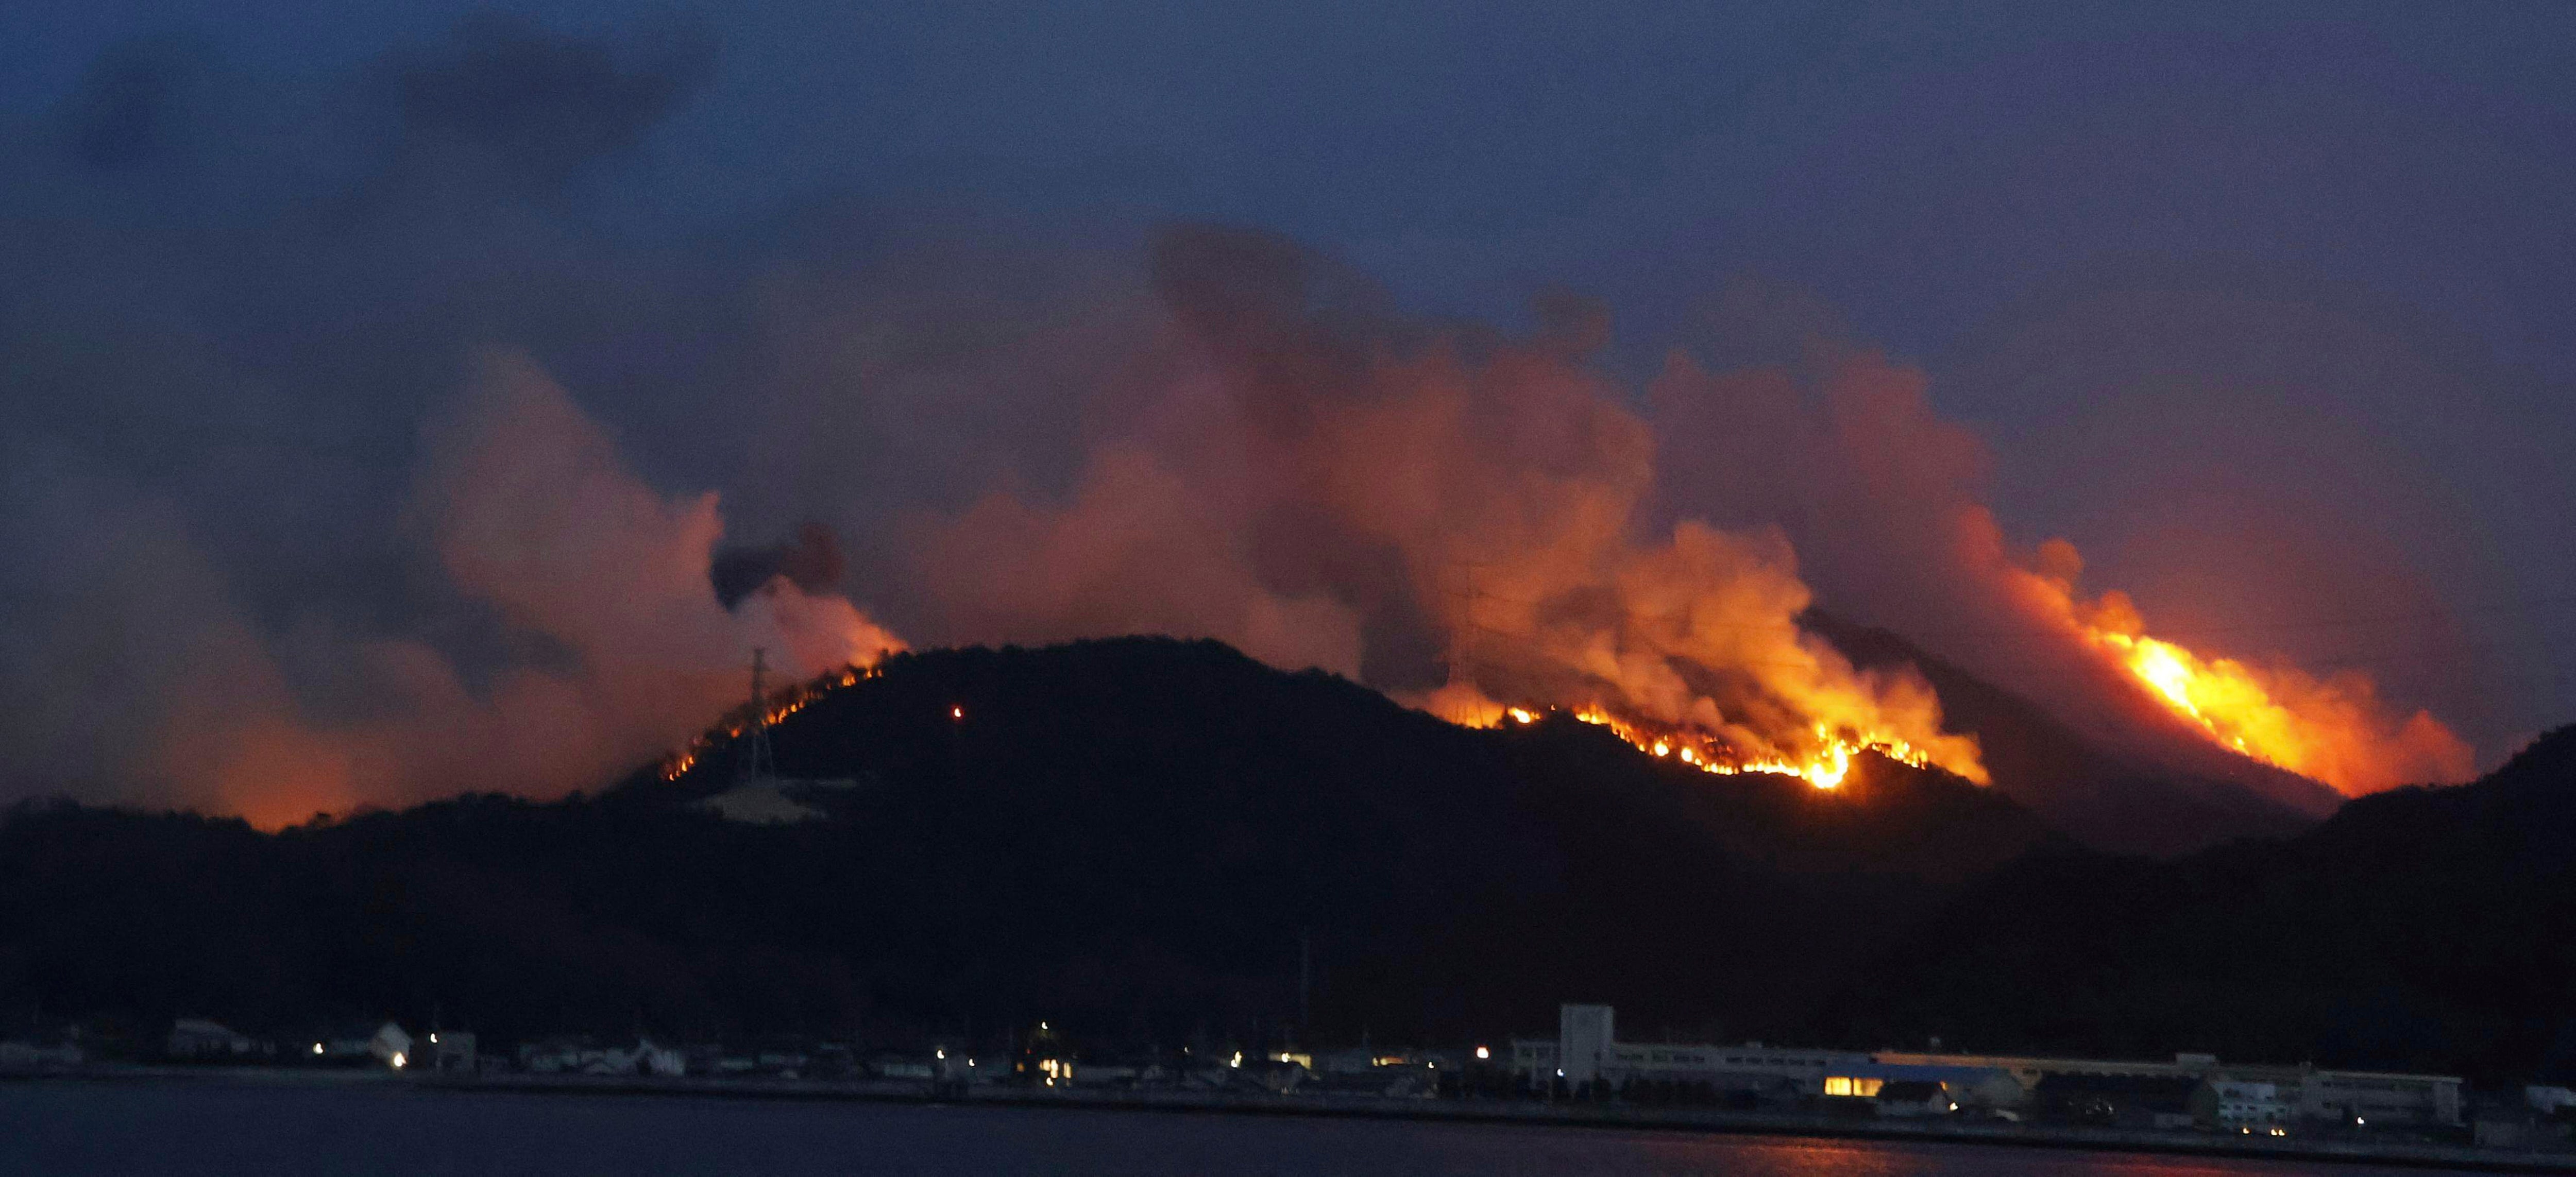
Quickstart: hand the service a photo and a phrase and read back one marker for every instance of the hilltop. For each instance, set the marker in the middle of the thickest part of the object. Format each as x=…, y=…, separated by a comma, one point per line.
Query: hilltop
x=1136, y=836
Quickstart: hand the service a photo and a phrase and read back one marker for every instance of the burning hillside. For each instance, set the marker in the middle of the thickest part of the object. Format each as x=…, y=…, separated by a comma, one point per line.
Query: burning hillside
x=1479, y=525
x=2333, y=730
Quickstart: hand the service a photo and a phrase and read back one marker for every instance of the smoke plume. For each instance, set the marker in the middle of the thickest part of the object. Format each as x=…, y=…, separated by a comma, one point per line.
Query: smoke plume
x=275, y=555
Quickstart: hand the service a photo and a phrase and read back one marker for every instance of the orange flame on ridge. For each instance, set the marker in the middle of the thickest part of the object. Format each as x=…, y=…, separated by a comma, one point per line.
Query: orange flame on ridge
x=2333, y=730
x=1826, y=767
x=780, y=706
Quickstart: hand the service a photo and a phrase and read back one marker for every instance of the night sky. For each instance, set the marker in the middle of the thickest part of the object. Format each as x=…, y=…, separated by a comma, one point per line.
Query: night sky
x=2265, y=307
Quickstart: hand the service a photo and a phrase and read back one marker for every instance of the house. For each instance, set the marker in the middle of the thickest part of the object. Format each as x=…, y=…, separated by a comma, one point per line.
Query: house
x=2123, y=1101
x=1273, y=1075
x=648, y=1057
x=2244, y=1106
x=2504, y=1124
x=575, y=1056
x=198, y=1039
x=554, y=1056
x=452, y=1051
x=384, y=1045
x=1111, y=1074
x=1982, y=1091
x=390, y=1045
x=21, y=1056
x=889, y=1064
x=1912, y=1098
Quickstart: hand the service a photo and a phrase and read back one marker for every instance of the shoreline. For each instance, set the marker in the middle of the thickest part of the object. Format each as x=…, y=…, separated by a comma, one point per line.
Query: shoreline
x=1459, y=1111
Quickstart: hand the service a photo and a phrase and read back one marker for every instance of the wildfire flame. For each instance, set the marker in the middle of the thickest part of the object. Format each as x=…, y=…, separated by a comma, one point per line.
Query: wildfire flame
x=1825, y=768
x=780, y=705
x=2333, y=730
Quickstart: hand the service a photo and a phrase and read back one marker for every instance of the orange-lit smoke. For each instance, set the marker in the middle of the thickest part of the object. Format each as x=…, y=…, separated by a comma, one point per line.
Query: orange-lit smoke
x=1323, y=493
x=1890, y=499
x=2333, y=730
x=534, y=515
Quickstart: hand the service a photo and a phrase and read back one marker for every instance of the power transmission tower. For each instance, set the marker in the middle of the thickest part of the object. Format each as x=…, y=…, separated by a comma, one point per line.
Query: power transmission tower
x=1468, y=654
x=754, y=761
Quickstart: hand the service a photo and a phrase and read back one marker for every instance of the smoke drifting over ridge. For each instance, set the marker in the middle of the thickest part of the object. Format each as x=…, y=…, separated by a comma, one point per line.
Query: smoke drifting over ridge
x=1890, y=497
x=529, y=512
x=1446, y=513
x=295, y=562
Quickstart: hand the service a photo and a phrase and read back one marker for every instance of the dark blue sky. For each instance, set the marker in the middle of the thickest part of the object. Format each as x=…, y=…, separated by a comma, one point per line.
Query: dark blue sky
x=2229, y=289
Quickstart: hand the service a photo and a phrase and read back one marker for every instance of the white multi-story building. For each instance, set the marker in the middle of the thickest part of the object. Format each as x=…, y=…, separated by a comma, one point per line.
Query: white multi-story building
x=1584, y=1041
x=1587, y=1050
x=2362, y=1097
x=2249, y=1105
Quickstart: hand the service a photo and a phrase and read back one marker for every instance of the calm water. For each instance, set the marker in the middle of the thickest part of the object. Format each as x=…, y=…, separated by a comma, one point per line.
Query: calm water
x=221, y=1130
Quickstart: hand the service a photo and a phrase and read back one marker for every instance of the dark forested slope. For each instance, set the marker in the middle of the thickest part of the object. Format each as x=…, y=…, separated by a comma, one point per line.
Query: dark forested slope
x=1128, y=836
x=2424, y=927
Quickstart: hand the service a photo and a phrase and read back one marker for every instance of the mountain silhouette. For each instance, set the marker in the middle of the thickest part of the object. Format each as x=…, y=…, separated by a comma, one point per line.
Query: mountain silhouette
x=1135, y=838
x=2417, y=928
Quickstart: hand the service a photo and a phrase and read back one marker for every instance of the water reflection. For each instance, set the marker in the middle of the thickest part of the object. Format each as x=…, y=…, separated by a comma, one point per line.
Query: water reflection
x=227, y=1128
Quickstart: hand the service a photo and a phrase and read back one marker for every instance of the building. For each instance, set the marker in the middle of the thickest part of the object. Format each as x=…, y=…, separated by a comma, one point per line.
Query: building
x=2116, y=1100
x=2509, y=1124
x=1587, y=1050
x=573, y=1056
x=2190, y=1089
x=648, y=1057
x=2028, y=1070
x=2118, y=1088
x=390, y=1045
x=452, y=1050
x=2364, y=1098
x=198, y=1039
x=2240, y=1105
x=1584, y=1042
x=1910, y=1098
x=1975, y=1090
x=22, y=1055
